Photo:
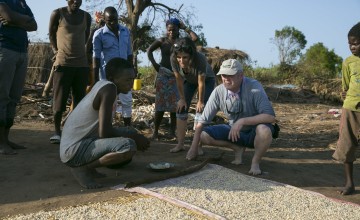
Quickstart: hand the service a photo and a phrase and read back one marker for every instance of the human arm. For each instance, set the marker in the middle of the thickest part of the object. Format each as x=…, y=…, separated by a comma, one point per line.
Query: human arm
x=88, y=27
x=234, y=133
x=104, y=102
x=53, y=27
x=192, y=34
x=345, y=80
x=154, y=46
x=201, y=90
x=12, y=18
x=180, y=86
x=97, y=49
x=130, y=56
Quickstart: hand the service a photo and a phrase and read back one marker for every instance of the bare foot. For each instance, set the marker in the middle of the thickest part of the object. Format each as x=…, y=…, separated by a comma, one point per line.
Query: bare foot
x=255, y=169
x=347, y=190
x=178, y=148
x=15, y=146
x=238, y=156
x=192, y=154
x=84, y=177
x=7, y=150
x=97, y=174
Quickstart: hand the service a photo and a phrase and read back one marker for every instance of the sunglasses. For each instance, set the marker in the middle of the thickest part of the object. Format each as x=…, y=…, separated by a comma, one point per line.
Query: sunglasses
x=184, y=48
x=233, y=105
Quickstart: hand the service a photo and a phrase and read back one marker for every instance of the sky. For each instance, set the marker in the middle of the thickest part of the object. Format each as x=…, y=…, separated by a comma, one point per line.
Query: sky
x=248, y=25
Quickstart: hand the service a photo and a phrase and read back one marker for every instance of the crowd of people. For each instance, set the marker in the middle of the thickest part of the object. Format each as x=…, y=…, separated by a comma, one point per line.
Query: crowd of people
x=103, y=56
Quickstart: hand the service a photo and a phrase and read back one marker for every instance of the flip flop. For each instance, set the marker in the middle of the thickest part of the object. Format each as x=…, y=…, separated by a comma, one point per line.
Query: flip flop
x=55, y=139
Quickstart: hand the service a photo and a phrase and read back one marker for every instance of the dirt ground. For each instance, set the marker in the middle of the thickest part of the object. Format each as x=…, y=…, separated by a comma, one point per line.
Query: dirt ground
x=35, y=179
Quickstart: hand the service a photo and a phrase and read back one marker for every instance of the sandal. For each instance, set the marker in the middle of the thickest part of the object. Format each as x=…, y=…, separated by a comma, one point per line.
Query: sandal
x=55, y=139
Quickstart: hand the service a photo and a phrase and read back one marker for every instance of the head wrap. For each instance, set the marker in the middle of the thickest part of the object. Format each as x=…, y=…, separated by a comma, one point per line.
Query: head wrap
x=173, y=21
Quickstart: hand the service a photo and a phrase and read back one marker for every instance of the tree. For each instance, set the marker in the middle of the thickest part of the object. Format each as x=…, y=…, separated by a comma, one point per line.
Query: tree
x=319, y=61
x=289, y=42
x=140, y=16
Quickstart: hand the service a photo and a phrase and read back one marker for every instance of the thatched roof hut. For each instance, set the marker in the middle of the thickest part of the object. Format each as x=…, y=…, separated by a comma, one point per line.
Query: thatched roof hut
x=39, y=64
x=216, y=56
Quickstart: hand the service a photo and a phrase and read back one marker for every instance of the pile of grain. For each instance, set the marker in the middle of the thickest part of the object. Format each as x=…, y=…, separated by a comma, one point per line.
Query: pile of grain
x=134, y=207
x=219, y=192
x=237, y=196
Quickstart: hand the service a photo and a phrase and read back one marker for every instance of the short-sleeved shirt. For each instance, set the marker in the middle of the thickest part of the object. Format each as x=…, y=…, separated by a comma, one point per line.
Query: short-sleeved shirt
x=253, y=100
x=202, y=67
x=14, y=38
x=107, y=45
x=351, y=82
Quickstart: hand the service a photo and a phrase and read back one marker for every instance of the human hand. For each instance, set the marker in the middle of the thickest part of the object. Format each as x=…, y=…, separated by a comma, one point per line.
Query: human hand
x=343, y=94
x=142, y=143
x=234, y=134
x=182, y=25
x=3, y=21
x=181, y=105
x=200, y=106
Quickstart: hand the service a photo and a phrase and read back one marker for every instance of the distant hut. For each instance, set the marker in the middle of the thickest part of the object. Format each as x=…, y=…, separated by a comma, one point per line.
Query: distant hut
x=39, y=64
x=216, y=56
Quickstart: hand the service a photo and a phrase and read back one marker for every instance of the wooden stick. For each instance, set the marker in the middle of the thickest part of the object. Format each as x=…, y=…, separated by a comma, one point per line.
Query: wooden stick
x=48, y=84
x=176, y=202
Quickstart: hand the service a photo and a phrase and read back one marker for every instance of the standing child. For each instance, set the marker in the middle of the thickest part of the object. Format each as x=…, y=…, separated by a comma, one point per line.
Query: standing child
x=350, y=118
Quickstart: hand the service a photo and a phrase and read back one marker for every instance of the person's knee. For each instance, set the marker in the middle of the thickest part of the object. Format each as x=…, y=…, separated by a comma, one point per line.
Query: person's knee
x=206, y=138
x=263, y=131
x=126, y=158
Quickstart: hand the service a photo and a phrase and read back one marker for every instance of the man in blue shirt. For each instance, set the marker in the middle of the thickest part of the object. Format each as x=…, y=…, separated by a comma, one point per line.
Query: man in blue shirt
x=16, y=19
x=249, y=111
x=113, y=40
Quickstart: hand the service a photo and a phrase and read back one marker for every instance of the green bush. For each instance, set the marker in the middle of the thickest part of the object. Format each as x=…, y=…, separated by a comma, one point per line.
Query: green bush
x=147, y=74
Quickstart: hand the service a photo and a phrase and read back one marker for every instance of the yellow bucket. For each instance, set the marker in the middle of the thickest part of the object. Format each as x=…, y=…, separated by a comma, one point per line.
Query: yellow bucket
x=137, y=84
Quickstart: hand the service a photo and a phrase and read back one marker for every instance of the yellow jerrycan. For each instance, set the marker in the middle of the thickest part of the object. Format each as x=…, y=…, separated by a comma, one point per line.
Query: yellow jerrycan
x=137, y=84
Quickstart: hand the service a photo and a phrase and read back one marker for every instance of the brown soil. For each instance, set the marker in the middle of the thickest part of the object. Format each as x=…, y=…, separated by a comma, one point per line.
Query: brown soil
x=35, y=179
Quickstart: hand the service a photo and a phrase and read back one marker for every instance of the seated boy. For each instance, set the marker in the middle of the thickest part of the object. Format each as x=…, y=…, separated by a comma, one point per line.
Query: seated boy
x=89, y=140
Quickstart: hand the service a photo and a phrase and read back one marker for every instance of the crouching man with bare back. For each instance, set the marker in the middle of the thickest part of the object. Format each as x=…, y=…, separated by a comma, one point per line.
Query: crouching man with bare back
x=89, y=140
x=246, y=105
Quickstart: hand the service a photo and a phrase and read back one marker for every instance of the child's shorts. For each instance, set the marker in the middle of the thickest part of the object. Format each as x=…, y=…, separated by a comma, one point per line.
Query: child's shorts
x=348, y=136
x=221, y=132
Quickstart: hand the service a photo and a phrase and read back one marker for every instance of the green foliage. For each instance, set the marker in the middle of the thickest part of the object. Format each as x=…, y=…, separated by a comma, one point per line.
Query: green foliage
x=289, y=42
x=147, y=74
x=320, y=62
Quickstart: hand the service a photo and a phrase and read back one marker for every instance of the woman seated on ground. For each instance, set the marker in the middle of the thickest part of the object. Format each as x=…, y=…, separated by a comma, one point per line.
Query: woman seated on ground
x=192, y=72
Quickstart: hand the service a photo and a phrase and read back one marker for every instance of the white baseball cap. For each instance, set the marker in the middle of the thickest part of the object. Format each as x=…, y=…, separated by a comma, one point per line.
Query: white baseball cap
x=230, y=67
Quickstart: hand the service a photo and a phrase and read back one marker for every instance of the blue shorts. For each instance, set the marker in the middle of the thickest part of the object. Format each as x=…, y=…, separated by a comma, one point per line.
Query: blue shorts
x=92, y=148
x=221, y=132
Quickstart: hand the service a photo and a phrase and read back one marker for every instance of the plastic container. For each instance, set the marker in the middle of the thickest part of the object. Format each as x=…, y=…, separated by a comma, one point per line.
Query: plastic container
x=137, y=84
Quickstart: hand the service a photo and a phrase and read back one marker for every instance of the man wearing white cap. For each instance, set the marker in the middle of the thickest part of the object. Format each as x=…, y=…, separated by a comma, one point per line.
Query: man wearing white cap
x=248, y=110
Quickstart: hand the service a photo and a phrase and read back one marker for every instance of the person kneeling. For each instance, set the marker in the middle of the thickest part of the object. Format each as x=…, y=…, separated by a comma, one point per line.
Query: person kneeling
x=89, y=140
x=249, y=111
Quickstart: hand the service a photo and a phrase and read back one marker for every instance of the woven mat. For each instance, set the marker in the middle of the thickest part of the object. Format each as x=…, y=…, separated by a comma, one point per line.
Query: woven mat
x=221, y=193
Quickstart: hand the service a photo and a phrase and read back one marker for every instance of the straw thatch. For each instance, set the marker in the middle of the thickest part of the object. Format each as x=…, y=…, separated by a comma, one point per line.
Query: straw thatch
x=39, y=64
x=216, y=56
